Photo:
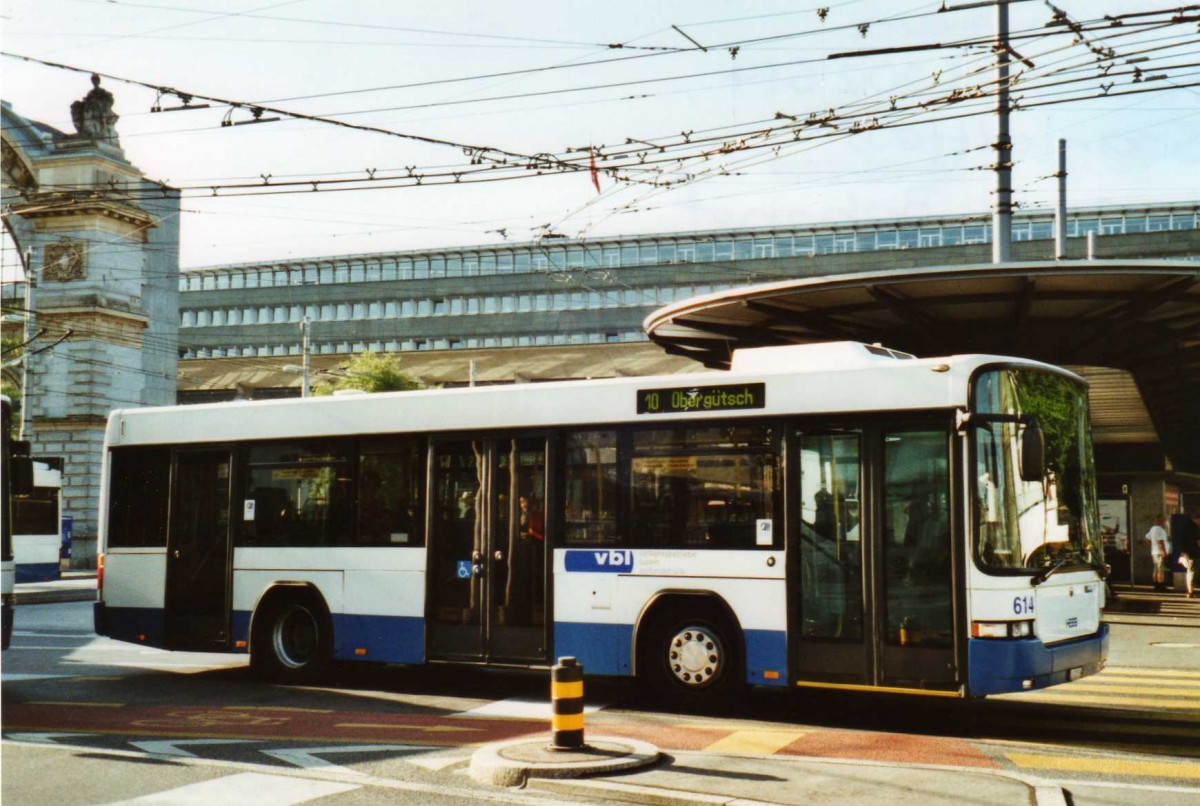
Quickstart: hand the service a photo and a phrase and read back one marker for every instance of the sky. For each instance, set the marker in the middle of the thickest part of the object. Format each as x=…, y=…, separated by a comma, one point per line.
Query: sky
x=701, y=115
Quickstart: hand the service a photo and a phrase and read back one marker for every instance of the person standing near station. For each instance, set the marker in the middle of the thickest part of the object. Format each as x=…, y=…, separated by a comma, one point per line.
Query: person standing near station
x=1189, y=555
x=1160, y=548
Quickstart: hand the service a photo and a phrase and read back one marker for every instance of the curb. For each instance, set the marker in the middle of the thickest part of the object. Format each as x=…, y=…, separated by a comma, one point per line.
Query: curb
x=1041, y=791
x=637, y=793
x=54, y=596
x=514, y=762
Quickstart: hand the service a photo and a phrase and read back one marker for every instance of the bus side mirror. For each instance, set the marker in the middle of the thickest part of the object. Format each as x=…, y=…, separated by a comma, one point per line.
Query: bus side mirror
x=1033, y=452
x=22, y=468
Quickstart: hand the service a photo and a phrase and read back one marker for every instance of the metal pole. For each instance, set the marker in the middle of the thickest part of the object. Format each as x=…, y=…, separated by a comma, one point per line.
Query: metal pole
x=306, y=358
x=26, y=429
x=1060, y=214
x=1002, y=215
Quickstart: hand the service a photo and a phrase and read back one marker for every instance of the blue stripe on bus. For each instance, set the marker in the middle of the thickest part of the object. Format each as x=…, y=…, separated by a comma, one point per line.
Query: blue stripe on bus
x=127, y=623
x=386, y=639
x=998, y=667
x=766, y=651
x=239, y=629
x=37, y=572
x=600, y=648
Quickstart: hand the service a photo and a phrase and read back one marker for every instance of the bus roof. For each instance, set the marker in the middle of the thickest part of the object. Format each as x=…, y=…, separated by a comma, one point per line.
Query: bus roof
x=841, y=377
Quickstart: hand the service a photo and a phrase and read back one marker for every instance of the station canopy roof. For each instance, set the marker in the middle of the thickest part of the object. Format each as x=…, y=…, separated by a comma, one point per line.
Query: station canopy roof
x=1138, y=316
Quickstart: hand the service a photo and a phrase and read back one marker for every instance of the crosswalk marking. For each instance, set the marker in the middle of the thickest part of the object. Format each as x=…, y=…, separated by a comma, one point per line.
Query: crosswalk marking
x=1139, y=672
x=1129, y=678
x=247, y=789
x=755, y=741
x=1121, y=688
x=1106, y=766
x=1165, y=701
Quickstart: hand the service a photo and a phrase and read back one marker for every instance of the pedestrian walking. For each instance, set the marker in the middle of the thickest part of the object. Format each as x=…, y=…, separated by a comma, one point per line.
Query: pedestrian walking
x=1160, y=548
x=1189, y=556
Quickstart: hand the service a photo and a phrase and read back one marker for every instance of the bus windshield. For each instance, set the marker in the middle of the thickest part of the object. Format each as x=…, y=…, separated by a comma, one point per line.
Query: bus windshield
x=1034, y=525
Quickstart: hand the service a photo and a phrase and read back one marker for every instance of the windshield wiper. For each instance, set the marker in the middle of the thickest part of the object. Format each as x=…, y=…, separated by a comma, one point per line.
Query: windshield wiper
x=1046, y=573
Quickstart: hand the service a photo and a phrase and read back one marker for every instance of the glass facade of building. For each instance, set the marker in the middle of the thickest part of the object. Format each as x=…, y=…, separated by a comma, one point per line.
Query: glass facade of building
x=506, y=296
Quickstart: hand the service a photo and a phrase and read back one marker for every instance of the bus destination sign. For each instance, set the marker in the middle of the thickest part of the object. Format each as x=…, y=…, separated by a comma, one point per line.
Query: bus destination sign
x=702, y=398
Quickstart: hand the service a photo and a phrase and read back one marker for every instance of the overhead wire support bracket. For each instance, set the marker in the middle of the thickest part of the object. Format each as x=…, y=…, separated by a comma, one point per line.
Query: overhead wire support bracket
x=256, y=111
x=682, y=33
x=183, y=96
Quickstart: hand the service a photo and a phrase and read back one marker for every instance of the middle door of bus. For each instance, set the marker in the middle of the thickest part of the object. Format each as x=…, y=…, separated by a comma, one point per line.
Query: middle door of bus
x=488, y=557
x=874, y=567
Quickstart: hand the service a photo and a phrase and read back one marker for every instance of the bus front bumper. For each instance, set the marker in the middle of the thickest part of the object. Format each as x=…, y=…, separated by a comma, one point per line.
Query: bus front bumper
x=1005, y=666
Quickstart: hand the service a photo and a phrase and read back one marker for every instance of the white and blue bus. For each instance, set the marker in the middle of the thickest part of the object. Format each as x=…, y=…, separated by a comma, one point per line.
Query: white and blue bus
x=37, y=525
x=835, y=516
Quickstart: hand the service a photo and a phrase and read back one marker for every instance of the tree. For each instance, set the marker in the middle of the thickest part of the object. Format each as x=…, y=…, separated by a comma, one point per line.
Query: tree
x=370, y=372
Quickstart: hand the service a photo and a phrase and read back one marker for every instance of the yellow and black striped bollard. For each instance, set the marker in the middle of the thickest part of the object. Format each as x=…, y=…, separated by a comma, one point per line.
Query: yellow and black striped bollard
x=566, y=697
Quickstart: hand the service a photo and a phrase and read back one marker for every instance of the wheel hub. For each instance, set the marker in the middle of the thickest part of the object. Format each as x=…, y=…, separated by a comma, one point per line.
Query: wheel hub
x=295, y=637
x=695, y=656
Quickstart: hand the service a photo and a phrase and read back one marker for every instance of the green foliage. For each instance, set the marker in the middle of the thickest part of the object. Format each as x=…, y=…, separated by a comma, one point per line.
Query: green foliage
x=13, y=374
x=370, y=372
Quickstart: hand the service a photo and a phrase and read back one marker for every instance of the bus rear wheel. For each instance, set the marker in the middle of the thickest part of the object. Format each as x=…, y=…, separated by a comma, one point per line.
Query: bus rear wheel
x=690, y=657
x=291, y=642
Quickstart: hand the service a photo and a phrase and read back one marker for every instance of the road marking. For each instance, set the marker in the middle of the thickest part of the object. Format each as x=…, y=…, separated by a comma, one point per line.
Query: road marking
x=522, y=708
x=45, y=738
x=1140, y=672
x=754, y=741
x=247, y=789
x=1106, y=766
x=1130, y=678
x=171, y=746
x=20, y=678
x=398, y=726
x=1065, y=697
x=1126, y=689
x=278, y=708
x=210, y=719
x=308, y=757
x=439, y=760
x=1173, y=645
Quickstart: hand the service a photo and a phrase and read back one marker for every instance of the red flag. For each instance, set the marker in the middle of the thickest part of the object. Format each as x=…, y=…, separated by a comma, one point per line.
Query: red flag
x=595, y=173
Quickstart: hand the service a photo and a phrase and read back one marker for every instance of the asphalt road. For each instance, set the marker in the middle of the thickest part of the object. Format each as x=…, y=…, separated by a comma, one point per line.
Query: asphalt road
x=87, y=720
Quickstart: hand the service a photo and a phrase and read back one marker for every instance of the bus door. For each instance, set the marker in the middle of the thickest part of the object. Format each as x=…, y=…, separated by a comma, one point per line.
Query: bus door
x=198, y=551
x=874, y=570
x=488, y=559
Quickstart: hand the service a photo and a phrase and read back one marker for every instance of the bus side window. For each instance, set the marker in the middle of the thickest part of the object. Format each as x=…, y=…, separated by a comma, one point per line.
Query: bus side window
x=591, y=488
x=390, y=509
x=137, y=502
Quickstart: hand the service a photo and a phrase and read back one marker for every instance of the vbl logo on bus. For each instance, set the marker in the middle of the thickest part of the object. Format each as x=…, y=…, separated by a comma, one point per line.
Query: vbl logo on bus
x=612, y=561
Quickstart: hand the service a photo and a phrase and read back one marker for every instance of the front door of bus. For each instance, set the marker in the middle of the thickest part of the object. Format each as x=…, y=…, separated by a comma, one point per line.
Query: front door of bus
x=197, y=600
x=487, y=589
x=875, y=562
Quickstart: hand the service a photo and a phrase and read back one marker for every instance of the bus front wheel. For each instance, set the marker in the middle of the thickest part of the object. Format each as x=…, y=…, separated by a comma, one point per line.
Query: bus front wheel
x=292, y=641
x=690, y=657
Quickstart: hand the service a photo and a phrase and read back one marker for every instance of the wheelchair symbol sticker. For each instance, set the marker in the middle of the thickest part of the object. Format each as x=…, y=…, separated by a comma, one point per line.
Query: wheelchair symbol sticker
x=464, y=569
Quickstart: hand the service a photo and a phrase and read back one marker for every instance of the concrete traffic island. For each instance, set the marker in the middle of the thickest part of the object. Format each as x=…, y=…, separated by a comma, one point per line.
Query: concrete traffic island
x=514, y=762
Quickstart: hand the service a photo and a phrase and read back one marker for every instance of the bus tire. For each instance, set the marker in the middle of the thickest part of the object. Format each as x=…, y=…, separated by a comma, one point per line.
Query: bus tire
x=292, y=640
x=690, y=657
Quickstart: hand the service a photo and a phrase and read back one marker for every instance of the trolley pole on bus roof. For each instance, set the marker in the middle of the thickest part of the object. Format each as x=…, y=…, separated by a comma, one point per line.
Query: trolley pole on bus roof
x=1002, y=214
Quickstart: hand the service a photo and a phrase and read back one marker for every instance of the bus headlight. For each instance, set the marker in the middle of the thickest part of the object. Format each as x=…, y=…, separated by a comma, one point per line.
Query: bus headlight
x=1001, y=629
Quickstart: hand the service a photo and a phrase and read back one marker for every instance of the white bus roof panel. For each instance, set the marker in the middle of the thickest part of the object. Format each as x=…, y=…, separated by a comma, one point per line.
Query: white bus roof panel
x=798, y=379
